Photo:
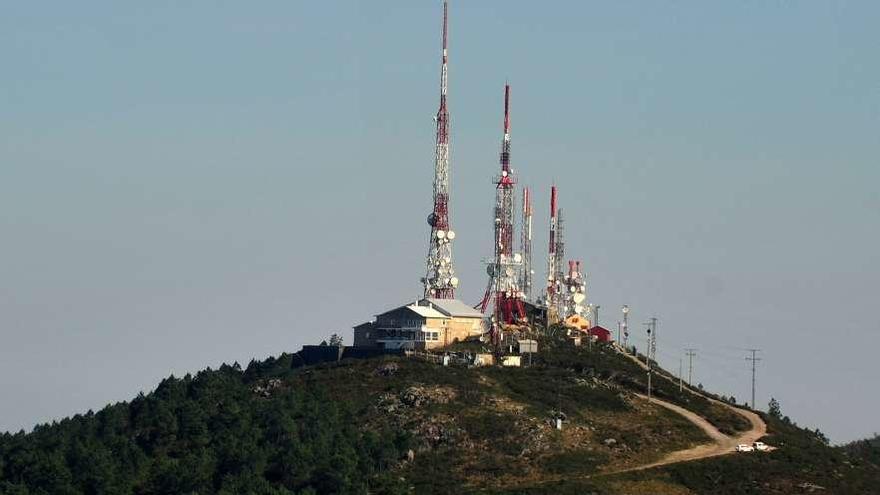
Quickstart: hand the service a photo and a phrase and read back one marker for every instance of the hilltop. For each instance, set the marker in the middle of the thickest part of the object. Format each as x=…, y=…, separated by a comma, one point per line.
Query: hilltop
x=403, y=425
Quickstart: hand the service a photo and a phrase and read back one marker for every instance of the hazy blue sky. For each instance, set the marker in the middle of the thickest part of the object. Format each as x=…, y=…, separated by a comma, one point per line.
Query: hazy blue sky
x=183, y=184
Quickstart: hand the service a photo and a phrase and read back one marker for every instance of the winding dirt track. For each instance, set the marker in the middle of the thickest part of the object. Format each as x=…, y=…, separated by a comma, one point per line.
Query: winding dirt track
x=721, y=445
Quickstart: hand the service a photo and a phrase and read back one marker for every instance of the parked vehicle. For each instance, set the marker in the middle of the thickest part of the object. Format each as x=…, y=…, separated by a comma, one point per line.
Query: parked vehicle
x=763, y=447
x=744, y=447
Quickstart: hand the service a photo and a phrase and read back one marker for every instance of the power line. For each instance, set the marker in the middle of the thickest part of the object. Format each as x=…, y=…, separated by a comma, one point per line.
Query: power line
x=754, y=360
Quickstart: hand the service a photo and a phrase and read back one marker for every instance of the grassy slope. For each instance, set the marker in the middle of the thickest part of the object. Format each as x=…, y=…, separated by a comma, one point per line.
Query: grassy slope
x=497, y=429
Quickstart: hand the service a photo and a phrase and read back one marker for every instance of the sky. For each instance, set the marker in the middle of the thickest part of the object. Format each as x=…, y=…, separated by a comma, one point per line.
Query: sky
x=187, y=184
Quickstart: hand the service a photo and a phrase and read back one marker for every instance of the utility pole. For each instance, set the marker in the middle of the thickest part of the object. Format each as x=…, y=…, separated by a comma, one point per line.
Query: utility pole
x=651, y=351
x=596, y=313
x=690, y=354
x=625, y=310
x=618, y=333
x=754, y=360
x=679, y=376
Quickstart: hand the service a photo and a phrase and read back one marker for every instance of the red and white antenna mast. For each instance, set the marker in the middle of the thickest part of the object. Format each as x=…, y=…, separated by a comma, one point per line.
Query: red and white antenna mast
x=503, y=267
x=440, y=280
x=552, y=298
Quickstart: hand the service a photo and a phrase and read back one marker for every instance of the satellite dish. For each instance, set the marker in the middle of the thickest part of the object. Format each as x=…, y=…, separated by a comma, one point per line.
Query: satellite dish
x=450, y=235
x=578, y=309
x=579, y=297
x=454, y=281
x=517, y=258
x=441, y=234
x=572, y=289
x=490, y=270
x=509, y=271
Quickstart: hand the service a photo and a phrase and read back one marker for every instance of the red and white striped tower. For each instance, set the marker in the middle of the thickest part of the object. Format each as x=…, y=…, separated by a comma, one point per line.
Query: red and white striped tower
x=551, y=298
x=503, y=268
x=440, y=280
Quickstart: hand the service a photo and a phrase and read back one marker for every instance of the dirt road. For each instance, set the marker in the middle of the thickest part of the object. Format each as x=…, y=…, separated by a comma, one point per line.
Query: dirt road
x=722, y=444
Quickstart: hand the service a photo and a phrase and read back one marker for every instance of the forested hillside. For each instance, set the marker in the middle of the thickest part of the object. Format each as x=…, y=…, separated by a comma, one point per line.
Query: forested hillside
x=392, y=425
x=215, y=432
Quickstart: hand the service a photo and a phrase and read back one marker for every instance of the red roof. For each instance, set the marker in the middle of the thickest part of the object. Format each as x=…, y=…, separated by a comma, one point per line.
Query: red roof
x=602, y=334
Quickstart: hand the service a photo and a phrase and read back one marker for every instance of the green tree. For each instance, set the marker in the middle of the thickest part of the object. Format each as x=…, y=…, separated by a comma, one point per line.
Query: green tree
x=773, y=409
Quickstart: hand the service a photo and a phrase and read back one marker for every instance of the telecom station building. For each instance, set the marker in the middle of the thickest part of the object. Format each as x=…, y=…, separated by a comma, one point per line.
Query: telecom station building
x=425, y=324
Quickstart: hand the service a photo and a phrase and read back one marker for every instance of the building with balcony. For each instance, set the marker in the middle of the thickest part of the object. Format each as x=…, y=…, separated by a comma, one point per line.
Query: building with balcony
x=426, y=324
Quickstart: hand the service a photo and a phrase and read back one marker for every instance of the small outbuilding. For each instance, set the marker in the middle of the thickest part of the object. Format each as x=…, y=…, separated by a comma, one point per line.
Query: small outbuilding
x=577, y=322
x=601, y=334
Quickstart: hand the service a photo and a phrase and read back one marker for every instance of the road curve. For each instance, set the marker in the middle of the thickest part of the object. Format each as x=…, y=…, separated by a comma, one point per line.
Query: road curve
x=721, y=443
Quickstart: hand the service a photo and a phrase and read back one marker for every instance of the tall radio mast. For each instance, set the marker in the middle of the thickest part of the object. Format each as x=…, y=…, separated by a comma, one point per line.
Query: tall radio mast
x=551, y=298
x=503, y=282
x=440, y=280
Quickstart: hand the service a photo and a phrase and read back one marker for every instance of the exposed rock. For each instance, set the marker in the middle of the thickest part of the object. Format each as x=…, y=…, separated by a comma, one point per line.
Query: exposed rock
x=810, y=487
x=387, y=369
x=266, y=389
x=417, y=396
x=609, y=442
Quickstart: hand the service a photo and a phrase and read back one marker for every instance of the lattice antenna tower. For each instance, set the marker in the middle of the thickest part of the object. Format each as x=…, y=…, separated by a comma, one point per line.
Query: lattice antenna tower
x=574, y=293
x=440, y=280
x=526, y=272
x=504, y=266
x=560, y=261
x=552, y=288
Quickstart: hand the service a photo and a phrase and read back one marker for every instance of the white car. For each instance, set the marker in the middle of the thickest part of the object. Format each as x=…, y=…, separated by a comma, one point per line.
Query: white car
x=744, y=447
x=763, y=447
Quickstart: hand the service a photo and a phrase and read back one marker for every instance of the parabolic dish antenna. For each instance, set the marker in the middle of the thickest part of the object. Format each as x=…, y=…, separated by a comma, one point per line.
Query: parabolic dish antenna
x=579, y=297
x=450, y=235
x=441, y=234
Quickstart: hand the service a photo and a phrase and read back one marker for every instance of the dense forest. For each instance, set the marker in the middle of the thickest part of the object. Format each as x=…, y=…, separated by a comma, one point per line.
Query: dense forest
x=220, y=431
